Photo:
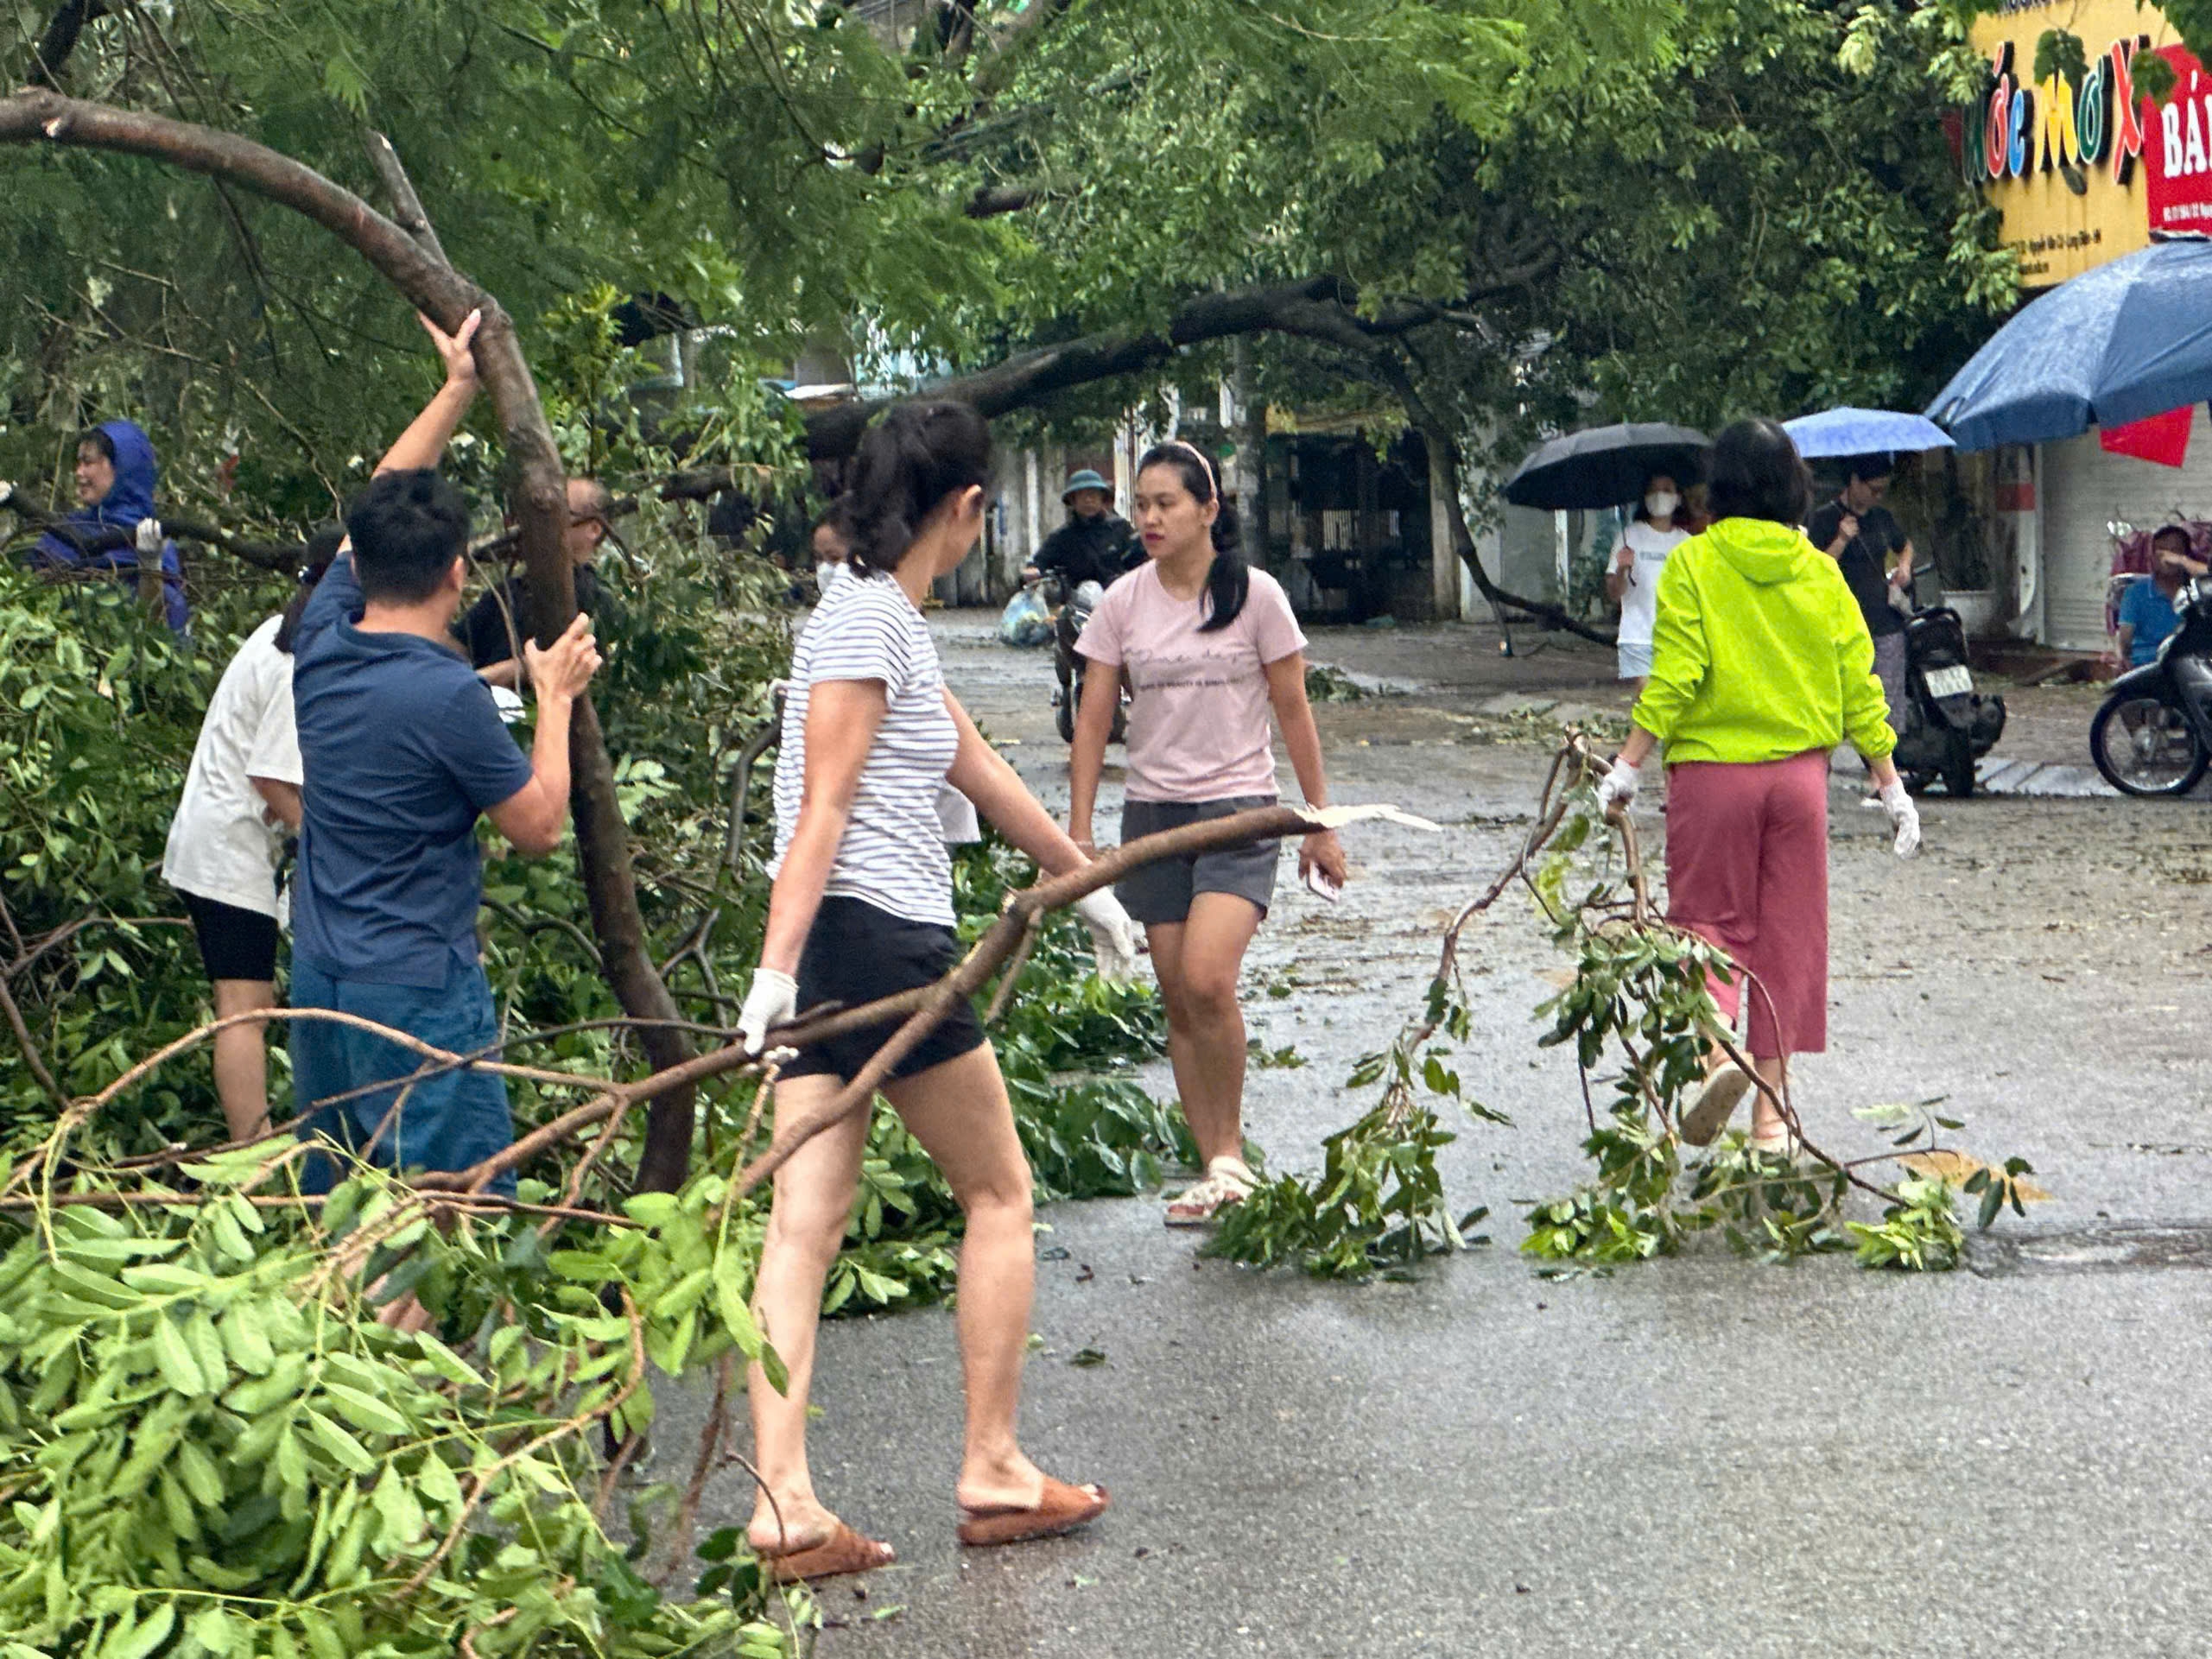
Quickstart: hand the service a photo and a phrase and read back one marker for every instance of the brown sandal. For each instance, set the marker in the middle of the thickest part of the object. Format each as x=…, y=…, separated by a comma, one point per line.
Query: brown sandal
x=842, y=1553
x=1062, y=1508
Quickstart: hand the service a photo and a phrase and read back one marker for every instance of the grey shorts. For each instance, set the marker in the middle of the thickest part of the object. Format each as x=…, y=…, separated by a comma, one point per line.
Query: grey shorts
x=1635, y=659
x=1162, y=892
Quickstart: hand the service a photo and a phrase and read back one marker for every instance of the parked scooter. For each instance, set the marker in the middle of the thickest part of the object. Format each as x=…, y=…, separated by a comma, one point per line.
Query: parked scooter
x=2153, y=734
x=1948, y=725
x=1068, y=664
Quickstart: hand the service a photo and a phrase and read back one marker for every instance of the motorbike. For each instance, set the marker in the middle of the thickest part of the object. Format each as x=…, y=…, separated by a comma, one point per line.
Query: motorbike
x=2153, y=735
x=1948, y=725
x=1073, y=609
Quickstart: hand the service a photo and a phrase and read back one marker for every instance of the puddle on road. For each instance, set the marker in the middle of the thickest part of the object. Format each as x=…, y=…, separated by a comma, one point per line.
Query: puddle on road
x=2120, y=1247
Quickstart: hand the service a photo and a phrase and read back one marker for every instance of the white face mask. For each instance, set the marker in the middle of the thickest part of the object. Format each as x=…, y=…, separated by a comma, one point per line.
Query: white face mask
x=825, y=574
x=1661, y=503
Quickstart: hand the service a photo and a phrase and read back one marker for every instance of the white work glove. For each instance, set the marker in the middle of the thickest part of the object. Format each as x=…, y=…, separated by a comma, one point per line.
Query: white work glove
x=1904, y=816
x=1618, y=787
x=149, y=538
x=1114, y=936
x=773, y=1000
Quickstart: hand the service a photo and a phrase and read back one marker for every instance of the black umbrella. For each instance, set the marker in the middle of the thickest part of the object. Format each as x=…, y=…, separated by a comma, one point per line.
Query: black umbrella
x=1605, y=465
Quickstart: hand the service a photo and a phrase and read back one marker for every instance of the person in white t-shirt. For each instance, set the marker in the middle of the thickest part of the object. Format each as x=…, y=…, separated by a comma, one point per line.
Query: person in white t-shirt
x=241, y=797
x=861, y=911
x=1633, y=583
x=833, y=545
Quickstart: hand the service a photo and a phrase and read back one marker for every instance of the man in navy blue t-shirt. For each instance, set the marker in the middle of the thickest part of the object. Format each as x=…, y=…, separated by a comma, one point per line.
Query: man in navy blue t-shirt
x=402, y=748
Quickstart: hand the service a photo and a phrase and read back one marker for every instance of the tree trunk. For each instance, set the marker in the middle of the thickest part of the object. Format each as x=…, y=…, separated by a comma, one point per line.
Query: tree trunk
x=541, y=502
x=1251, y=458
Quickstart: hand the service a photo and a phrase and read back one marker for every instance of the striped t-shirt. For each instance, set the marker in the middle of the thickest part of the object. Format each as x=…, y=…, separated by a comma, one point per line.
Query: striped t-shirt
x=893, y=852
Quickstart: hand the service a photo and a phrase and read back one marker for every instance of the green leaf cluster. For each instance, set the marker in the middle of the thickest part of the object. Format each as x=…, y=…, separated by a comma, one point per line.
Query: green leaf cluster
x=211, y=1444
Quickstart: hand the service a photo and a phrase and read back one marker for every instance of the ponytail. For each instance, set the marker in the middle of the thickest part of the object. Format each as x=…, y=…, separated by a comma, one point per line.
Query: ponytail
x=322, y=547
x=1228, y=579
x=908, y=462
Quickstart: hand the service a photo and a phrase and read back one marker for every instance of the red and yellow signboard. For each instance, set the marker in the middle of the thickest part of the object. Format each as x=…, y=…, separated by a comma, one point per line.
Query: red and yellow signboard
x=2083, y=166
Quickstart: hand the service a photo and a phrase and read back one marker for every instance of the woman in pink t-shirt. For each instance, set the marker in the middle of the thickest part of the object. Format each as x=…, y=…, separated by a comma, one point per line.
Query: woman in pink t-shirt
x=1207, y=647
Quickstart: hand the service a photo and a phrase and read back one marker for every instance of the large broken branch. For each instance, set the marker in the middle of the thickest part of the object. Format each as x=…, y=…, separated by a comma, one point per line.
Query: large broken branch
x=1320, y=308
x=540, y=500
x=920, y=1010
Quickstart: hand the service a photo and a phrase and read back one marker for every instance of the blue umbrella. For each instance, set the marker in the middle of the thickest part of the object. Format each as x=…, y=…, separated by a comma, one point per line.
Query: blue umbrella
x=2120, y=343
x=1863, y=431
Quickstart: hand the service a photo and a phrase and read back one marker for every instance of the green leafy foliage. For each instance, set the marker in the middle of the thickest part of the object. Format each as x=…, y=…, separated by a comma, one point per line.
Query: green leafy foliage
x=1641, y=992
x=206, y=1431
x=1377, y=1203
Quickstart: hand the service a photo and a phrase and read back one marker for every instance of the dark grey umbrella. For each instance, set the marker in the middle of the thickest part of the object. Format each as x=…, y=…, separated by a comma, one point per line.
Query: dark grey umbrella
x=1606, y=465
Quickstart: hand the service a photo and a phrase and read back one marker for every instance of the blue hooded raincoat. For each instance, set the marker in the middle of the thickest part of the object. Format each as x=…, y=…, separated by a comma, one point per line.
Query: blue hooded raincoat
x=137, y=475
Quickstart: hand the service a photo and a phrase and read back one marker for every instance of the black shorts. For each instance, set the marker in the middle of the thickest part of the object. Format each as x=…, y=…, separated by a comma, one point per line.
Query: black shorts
x=235, y=944
x=1161, y=892
x=856, y=954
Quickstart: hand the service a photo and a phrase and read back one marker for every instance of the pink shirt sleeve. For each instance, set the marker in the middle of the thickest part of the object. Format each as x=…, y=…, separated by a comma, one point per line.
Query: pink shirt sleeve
x=1275, y=630
x=1102, y=638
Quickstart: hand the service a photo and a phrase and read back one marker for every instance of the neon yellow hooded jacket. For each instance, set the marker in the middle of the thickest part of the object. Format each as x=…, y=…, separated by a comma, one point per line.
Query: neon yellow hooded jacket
x=1759, y=651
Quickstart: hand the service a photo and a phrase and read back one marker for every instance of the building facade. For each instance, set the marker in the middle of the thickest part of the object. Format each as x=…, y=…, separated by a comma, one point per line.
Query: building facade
x=2084, y=168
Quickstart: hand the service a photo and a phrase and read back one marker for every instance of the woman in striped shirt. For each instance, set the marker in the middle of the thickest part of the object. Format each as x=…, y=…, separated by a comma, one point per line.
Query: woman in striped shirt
x=862, y=908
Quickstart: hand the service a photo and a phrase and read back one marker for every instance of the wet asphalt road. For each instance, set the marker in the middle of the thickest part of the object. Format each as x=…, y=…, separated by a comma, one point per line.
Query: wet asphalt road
x=1695, y=1456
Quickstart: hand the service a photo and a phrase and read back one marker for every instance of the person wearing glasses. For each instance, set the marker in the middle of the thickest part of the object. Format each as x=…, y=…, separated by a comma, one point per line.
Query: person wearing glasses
x=493, y=628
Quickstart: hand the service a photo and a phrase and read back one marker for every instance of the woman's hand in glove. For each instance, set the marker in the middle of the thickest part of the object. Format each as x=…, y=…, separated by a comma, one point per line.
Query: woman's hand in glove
x=773, y=1000
x=1618, y=787
x=1114, y=935
x=1904, y=816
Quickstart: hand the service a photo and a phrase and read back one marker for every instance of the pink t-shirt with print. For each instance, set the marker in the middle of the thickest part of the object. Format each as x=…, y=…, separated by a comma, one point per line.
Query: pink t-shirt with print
x=1199, y=727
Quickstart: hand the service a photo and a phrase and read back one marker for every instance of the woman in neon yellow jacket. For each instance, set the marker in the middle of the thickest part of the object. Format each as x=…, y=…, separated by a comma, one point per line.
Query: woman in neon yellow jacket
x=1760, y=665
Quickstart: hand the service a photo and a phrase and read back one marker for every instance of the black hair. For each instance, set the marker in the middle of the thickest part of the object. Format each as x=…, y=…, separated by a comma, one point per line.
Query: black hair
x=908, y=462
x=1879, y=464
x=408, y=527
x=1681, y=493
x=837, y=519
x=314, y=559
x=1755, y=472
x=1228, y=579
x=100, y=439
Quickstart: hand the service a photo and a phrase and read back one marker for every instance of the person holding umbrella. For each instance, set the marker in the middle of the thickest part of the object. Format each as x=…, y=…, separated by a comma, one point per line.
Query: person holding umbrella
x=1633, y=583
x=1874, y=552
x=1760, y=664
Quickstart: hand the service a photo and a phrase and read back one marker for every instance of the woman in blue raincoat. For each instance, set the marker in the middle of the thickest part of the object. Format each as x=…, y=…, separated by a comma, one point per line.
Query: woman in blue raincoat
x=117, y=475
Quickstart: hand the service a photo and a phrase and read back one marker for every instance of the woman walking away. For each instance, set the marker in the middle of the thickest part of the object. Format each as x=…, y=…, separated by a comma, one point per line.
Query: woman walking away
x=862, y=908
x=1633, y=582
x=241, y=799
x=1206, y=646
x=1760, y=664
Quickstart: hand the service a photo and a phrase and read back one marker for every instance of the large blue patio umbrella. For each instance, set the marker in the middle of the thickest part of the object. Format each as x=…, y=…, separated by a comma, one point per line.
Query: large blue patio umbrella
x=2120, y=343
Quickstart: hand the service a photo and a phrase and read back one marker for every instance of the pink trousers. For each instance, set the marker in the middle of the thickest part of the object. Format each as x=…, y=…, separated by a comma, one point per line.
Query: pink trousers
x=1747, y=871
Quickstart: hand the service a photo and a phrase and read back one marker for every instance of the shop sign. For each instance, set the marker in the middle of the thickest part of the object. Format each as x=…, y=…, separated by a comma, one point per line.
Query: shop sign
x=2065, y=158
x=2025, y=126
x=2178, y=158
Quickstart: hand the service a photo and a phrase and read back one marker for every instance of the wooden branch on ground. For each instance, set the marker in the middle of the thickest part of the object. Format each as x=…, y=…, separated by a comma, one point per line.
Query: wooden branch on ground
x=920, y=1010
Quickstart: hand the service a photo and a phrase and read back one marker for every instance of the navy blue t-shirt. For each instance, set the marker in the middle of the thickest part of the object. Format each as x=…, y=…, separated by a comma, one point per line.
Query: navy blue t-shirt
x=400, y=748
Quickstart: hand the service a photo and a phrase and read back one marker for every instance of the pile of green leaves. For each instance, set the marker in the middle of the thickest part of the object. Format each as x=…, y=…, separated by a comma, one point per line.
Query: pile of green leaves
x=209, y=1445
x=1378, y=1204
x=1641, y=990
